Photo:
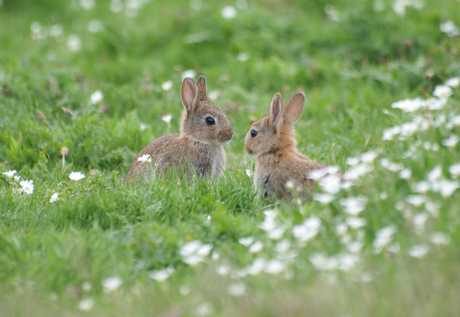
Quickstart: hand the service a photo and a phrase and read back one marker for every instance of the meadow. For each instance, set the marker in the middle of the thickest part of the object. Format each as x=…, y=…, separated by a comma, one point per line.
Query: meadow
x=86, y=84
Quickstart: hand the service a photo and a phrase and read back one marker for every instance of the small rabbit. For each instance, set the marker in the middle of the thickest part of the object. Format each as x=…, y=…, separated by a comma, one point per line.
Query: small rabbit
x=280, y=168
x=204, y=130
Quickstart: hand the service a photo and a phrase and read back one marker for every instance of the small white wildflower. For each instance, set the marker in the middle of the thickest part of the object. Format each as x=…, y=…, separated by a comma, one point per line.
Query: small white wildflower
x=188, y=73
x=435, y=173
x=356, y=222
x=17, y=178
x=76, y=176
x=257, y=266
x=323, y=198
x=27, y=186
x=145, y=158
x=330, y=184
x=96, y=97
x=223, y=269
x=355, y=246
x=383, y=195
x=442, y=91
x=159, y=275
x=236, y=289
x=439, y=238
x=453, y=82
x=242, y=57
x=95, y=26
x=86, y=304
x=55, y=30
x=419, y=221
x=87, y=4
x=10, y=174
x=451, y=141
x=229, y=12
x=449, y=28
x=192, y=259
x=368, y=157
x=143, y=126
x=454, y=170
x=422, y=187
x=358, y=171
x=74, y=43
x=214, y=94
x=307, y=230
x=393, y=167
x=352, y=161
x=246, y=241
x=331, y=12
x=276, y=234
x=394, y=247
x=418, y=251
x=283, y=246
x=383, y=237
x=167, y=118
x=341, y=229
x=274, y=267
x=390, y=133
x=290, y=184
x=347, y=262
x=249, y=173
x=167, y=85
x=405, y=173
x=316, y=175
x=408, y=105
x=256, y=247
x=86, y=286
x=54, y=197
x=204, y=309
x=111, y=284
x=446, y=187
x=353, y=205
x=415, y=200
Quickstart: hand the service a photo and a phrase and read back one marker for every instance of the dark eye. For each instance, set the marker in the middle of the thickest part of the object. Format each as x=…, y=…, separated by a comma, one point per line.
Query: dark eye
x=210, y=121
x=254, y=133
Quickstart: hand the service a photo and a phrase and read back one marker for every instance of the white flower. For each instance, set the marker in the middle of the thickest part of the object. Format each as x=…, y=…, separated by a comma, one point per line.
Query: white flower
x=55, y=30
x=419, y=221
x=10, y=174
x=204, y=309
x=111, y=284
x=214, y=94
x=274, y=267
x=422, y=187
x=449, y=28
x=228, y=12
x=192, y=259
x=17, y=178
x=408, y=105
x=415, y=200
x=356, y=222
x=451, y=141
x=76, y=176
x=454, y=170
x=355, y=246
x=167, y=85
x=283, y=246
x=353, y=205
x=159, y=275
x=383, y=237
x=87, y=4
x=408, y=129
x=246, y=241
x=167, y=118
x=435, y=173
x=442, y=91
x=453, y=82
x=323, y=198
x=268, y=224
x=96, y=97
x=54, y=197
x=405, y=173
x=439, y=238
x=188, y=73
x=393, y=167
x=223, y=269
x=242, y=57
x=347, y=261
x=249, y=173
x=446, y=187
x=256, y=267
x=236, y=289
x=320, y=261
x=307, y=230
x=95, y=26
x=145, y=158
x=86, y=304
x=358, y=171
x=368, y=157
x=352, y=161
x=383, y=195
x=86, y=286
x=276, y=234
x=331, y=12
x=27, y=186
x=316, y=175
x=390, y=133
x=74, y=43
x=330, y=184
x=394, y=247
x=290, y=184
x=256, y=247
x=418, y=251
x=143, y=126
x=341, y=229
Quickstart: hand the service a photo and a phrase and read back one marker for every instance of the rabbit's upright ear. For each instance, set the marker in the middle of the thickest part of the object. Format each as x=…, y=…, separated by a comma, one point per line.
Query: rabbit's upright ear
x=294, y=107
x=188, y=93
x=202, y=94
x=276, y=110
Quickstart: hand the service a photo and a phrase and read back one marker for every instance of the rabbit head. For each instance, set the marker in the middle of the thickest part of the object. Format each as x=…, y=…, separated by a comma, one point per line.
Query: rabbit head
x=275, y=131
x=203, y=121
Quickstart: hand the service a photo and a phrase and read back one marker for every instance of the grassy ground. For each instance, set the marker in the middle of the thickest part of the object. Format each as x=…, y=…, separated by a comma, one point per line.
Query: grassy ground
x=352, y=60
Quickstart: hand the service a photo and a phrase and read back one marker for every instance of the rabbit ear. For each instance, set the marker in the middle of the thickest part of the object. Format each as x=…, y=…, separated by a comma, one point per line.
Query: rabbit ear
x=276, y=110
x=188, y=92
x=294, y=107
x=202, y=94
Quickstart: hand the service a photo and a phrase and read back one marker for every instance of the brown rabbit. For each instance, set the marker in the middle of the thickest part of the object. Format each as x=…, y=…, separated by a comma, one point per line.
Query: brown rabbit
x=204, y=130
x=280, y=167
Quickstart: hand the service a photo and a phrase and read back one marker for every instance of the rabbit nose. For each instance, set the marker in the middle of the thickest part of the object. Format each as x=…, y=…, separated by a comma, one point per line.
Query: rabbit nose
x=225, y=136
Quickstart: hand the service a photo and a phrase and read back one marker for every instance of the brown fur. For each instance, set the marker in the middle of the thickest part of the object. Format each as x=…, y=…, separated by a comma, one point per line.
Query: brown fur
x=275, y=146
x=199, y=146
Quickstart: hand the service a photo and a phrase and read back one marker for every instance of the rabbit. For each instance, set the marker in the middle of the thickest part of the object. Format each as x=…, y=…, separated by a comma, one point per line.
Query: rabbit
x=198, y=149
x=280, y=168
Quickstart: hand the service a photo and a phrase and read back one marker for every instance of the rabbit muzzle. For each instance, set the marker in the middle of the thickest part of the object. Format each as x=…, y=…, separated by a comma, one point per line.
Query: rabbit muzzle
x=225, y=136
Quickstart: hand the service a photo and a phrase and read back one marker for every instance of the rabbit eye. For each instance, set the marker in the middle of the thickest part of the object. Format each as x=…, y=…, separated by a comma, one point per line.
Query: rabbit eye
x=254, y=133
x=210, y=121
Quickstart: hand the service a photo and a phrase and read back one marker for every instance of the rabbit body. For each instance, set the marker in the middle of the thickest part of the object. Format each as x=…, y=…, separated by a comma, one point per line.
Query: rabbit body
x=281, y=169
x=198, y=149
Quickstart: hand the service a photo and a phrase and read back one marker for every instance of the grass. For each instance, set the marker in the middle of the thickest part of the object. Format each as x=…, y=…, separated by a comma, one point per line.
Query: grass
x=351, y=71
